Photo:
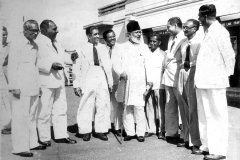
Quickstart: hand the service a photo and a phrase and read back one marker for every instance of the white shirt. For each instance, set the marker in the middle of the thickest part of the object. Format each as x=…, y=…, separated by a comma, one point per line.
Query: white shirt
x=154, y=63
x=22, y=70
x=194, y=49
x=3, y=54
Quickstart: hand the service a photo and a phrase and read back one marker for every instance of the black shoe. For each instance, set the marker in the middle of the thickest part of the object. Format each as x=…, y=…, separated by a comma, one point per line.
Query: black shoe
x=128, y=138
x=73, y=128
x=199, y=152
x=65, y=140
x=161, y=135
x=183, y=144
x=87, y=137
x=6, y=131
x=140, y=139
x=24, y=154
x=117, y=132
x=46, y=143
x=40, y=147
x=149, y=134
x=102, y=136
x=214, y=157
x=173, y=140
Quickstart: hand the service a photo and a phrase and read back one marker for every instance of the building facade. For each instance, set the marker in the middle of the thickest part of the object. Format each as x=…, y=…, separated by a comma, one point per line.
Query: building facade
x=153, y=15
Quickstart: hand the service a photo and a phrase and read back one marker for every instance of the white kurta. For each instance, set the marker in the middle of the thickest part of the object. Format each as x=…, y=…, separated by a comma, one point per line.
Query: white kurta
x=94, y=82
x=215, y=62
x=23, y=74
x=131, y=60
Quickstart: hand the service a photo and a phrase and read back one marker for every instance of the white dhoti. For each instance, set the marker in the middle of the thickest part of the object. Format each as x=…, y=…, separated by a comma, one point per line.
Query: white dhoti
x=53, y=106
x=95, y=97
x=213, y=120
x=24, y=116
x=6, y=110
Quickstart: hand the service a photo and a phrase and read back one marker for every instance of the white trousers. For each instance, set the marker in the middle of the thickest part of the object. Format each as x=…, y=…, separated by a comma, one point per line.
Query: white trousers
x=213, y=120
x=24, y=130
x=130, y=113
x=94, y=105
x=53, y=106
x=5, y=107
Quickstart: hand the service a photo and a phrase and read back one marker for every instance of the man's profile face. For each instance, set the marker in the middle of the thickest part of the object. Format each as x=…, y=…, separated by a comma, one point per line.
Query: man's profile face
x=154, y=43
x=32, y=32
x=111, y=39
x=189, y=28
x=52, y=31
x=4, y=37
x=94, y=37
x=172, y=29
x=202, y=19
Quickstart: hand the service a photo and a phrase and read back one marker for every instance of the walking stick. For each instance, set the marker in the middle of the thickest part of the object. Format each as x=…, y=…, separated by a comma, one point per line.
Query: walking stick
x=125, y=94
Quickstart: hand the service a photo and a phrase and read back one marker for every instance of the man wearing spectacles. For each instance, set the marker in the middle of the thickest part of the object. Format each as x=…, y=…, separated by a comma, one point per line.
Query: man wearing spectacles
x=130, y=67
x=170, y=78
x=4, y=94
x=23, y=83
x=116, y=108
x=186, y=87
x=215, y=63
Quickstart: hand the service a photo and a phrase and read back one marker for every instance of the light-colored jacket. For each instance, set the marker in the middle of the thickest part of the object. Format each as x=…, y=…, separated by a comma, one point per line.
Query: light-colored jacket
x=85, y=61
x=50, y=78
x=173, y=61
x=3, y=69
x=216, y=59
x=23, y=72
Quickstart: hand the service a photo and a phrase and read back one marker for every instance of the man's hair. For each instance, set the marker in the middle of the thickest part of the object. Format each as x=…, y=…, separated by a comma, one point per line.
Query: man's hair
x=90, y=29
x=4, y=28
x=106, y=32
x=27, y=24
x=175, y=20
x=154, y=34
x=208, y=10
x=195, y=22
x=45, y=24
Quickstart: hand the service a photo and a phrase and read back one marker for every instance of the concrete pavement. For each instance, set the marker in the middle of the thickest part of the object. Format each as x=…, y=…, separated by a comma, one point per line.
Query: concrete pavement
x=152, y=148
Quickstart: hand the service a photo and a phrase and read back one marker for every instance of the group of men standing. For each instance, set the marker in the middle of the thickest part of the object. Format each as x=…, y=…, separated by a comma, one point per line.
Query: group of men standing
x=125, y=84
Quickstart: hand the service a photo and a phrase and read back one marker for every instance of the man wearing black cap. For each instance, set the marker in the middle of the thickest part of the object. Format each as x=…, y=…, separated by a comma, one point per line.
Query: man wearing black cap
x=215, y=63
x=130, y=67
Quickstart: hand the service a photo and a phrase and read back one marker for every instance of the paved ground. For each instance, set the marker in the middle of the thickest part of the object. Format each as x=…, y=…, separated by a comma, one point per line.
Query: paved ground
x=151, y=149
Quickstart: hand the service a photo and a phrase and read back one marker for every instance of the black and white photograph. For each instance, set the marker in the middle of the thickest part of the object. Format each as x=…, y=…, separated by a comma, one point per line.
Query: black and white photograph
x=120, y=79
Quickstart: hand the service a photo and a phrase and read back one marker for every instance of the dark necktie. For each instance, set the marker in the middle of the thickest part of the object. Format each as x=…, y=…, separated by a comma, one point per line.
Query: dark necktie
x=187, y=59
x=95, y=56
x=54, y=46
x=110, y=52
x=172, y=44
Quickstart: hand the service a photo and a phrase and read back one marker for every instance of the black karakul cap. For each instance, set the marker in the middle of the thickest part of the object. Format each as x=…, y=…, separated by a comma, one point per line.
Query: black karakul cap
x=133, y=26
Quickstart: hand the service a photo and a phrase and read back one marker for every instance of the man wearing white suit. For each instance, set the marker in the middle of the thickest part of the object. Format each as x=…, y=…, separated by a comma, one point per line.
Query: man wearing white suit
x=23, y=83
x=92, y=82
x=53, y=101
x=170, y=76
x=215, y=63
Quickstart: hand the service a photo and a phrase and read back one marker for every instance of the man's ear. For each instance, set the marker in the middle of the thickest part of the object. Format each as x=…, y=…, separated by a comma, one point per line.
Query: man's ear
x=159, y=43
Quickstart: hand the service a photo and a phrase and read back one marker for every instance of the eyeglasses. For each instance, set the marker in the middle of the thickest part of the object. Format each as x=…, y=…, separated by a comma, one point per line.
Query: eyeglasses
x=188, y=28
x=34, y=31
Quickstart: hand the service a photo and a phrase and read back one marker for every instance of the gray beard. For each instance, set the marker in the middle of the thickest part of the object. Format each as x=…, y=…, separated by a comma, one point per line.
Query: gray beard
x=134, y=39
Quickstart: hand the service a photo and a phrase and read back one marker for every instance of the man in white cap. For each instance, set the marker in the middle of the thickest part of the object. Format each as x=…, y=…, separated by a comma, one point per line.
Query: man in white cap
x=131, y=67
